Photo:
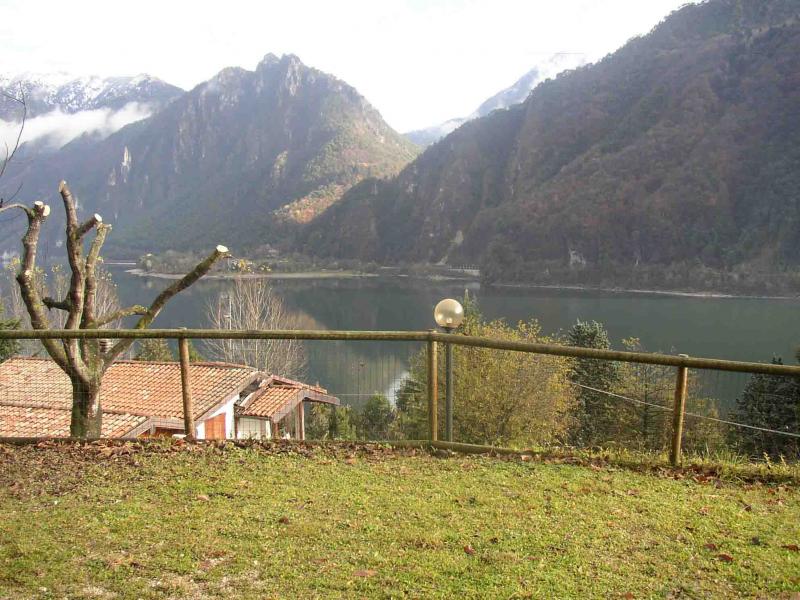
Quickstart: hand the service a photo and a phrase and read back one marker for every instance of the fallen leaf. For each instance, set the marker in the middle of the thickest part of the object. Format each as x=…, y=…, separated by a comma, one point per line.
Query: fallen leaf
x=628, y=596
x=792, y=547
x=203, y=497
x=283, y=520
x=725, y=558
x=469, y=549
x=710, y=546
x=365, y=573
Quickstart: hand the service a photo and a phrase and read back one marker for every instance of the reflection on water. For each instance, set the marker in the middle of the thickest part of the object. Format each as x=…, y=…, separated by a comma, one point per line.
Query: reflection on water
x=732, y=328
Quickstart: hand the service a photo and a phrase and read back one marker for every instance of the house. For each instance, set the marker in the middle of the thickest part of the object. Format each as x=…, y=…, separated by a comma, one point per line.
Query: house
x=141, y=399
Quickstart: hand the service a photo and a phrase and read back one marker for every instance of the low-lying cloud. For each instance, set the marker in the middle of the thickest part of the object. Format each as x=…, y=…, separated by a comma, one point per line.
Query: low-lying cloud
x=57, y=128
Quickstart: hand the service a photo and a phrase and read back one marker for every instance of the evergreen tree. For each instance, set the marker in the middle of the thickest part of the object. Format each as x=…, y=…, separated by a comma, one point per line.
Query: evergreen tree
x=155, y=350
x=596, y=414
x=376, y=417
x=326, y=422
x=771, y=402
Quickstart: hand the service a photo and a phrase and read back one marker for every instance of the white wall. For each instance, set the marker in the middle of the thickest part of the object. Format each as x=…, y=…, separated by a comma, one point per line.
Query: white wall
x=250, y=428
x=227, y=410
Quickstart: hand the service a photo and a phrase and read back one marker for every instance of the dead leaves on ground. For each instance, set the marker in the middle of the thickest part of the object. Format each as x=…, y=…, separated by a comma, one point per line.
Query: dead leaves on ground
x=365, y=573
x=727, y=558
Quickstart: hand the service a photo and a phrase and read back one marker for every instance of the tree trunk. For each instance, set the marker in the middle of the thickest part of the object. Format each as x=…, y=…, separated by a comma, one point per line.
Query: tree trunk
x=86, y=412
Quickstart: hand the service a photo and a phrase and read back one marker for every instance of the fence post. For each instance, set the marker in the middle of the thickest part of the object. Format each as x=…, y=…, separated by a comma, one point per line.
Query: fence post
x=433, y=391
x=448, y=386
x=681, y=384
x=186, y=389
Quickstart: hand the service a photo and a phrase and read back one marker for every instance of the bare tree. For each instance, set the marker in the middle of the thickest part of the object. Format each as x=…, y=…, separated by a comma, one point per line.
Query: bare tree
x=253, y=304
x=84, y=361
x=10, y=152
x=54, y=282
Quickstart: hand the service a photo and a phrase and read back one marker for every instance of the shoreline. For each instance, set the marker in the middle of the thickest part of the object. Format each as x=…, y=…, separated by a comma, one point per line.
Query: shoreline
x=646, y=292
x=298, y=275
x=441, y=277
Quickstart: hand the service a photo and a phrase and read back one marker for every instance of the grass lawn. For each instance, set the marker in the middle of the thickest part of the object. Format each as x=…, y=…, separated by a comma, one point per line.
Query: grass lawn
x=293, y=522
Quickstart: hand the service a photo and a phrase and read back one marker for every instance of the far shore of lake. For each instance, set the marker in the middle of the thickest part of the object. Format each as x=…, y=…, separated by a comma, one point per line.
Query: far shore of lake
x=270, y=275
x=322, y=274
x=645, y=292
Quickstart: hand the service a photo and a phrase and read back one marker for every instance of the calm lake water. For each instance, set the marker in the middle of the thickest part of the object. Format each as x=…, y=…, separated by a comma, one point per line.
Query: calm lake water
x=732, y=328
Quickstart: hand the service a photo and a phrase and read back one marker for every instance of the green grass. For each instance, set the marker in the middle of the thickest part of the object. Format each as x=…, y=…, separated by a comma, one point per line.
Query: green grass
x=208, y=522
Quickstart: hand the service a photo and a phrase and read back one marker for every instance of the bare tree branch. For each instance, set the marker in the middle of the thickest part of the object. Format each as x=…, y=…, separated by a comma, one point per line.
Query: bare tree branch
x=91, y=348
x=52, y=303
x=90, y=287
x=10, y=156
x=131, y=311
x=84, y=227
x=76, y=283
x=27, y=284
x=69, y=207
x=201, y=269
x=253, y=304
x=19, y=206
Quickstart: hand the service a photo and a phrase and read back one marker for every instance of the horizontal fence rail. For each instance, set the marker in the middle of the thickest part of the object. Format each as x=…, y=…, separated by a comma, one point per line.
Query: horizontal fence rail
x=651, y=358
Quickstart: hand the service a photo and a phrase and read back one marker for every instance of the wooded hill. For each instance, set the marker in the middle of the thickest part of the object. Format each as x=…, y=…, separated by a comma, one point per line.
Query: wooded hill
x=677, y=154
x=240, y=159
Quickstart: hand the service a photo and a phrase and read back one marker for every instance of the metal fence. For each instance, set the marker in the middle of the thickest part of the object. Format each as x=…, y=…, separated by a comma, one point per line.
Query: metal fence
x=655, y=401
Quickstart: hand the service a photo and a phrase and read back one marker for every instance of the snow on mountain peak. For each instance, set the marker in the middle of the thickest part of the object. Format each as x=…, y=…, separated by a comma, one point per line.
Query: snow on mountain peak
x=72, y=93
x=62, y=106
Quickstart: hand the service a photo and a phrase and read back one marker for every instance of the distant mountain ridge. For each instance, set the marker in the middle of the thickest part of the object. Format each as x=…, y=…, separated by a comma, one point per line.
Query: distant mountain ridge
x=241, y=159
x=61, y=91
x=677, y=153
x=505, y=98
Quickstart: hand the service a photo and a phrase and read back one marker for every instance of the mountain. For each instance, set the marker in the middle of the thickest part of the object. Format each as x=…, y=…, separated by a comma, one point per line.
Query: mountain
x=241, y=159
x=673, y=159
x=63, y=92
x=514, y=94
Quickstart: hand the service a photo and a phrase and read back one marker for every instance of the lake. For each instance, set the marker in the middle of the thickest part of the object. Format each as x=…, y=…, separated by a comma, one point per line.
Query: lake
x=733, y=328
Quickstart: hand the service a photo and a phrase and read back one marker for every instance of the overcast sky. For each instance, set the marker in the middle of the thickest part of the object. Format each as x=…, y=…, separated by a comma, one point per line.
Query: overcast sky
x=419, y=62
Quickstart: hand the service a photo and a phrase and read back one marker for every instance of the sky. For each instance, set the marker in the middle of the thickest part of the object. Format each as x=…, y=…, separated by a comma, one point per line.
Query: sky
x=419, y=62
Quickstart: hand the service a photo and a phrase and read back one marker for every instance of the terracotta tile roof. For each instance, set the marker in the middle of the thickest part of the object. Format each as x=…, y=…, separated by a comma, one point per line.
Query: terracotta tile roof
x=132, y=387
x=21, y=421
x=277, y=396
x=270, y=400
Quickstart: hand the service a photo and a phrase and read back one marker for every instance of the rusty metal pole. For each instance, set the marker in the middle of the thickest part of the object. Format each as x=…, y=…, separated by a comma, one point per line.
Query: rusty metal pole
x=186, y=389
x=681, y=386
x=433, y=391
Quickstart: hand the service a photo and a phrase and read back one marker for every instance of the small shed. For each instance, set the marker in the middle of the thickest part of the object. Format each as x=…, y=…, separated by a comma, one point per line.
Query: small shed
x=264, y=412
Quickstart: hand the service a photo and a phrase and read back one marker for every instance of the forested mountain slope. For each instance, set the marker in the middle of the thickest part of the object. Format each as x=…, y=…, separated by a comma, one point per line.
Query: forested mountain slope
x=241, y=160
x=680, y=150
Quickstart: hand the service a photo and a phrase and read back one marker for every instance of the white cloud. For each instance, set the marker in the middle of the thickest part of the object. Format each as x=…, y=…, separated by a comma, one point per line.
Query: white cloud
x=58, y=128
x=418, y=61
